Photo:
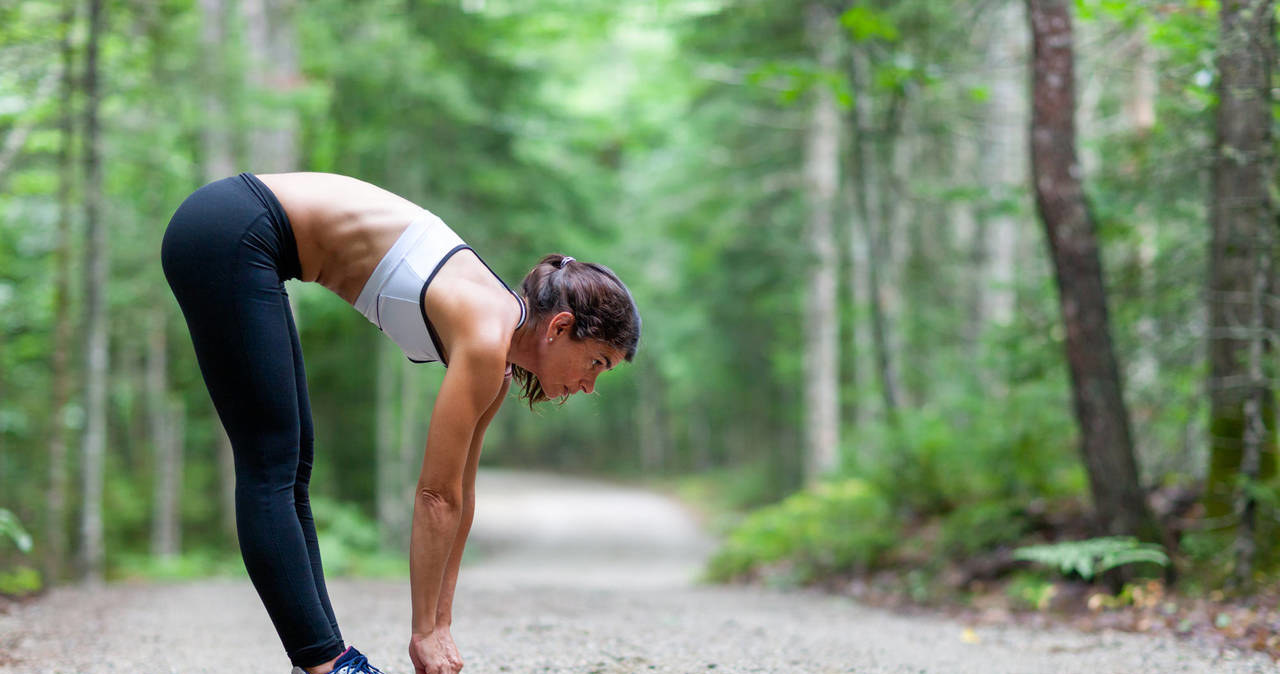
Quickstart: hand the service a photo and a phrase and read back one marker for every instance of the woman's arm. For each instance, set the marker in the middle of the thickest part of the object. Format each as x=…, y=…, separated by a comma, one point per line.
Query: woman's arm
x=444, y=605
x=470, y=386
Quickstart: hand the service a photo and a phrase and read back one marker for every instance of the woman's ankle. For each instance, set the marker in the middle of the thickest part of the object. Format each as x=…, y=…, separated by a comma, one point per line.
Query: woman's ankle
x=321, y=669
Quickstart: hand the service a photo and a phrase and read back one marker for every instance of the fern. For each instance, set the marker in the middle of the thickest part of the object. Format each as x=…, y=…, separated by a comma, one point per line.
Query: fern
x=1091, y=557
x=11, y=528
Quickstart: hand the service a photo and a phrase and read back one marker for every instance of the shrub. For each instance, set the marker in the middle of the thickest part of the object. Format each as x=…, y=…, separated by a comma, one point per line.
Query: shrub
x=982, y=526
x=830, y=528
x=1031, y=590
x=21, y=580
x=960, y=451
x=349, y=544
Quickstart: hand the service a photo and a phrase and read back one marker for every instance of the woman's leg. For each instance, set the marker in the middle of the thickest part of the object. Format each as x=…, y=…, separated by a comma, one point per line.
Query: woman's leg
x=301, y=499
x=220, y=257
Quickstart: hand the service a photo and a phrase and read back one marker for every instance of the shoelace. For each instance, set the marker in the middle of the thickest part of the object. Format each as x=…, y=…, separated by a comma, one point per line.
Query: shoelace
x=358, y=664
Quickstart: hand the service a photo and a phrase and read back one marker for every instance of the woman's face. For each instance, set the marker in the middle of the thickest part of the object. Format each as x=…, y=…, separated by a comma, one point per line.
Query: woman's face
x=570, y=366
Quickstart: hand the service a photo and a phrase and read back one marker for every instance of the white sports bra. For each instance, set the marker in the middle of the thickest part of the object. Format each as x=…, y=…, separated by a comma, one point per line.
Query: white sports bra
x=392, y=297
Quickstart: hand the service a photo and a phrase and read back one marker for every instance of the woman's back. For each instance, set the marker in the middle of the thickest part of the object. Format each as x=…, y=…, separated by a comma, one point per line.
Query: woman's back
x=343, y=225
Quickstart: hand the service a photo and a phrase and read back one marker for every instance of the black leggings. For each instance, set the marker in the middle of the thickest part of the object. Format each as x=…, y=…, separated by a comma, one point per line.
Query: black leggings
x=227, y=251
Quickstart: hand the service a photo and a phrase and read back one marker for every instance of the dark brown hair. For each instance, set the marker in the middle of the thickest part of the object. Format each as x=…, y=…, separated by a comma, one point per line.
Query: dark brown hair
x=602, y=309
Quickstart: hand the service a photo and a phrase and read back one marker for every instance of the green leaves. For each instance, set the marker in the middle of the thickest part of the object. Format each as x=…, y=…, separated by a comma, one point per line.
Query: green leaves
x=865, y=24
x=792, y=80
x=12, y=529
x=1091, y=557
x=832, y=527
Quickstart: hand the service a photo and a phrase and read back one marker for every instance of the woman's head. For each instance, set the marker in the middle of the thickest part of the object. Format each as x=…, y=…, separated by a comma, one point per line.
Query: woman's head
x=584, y=322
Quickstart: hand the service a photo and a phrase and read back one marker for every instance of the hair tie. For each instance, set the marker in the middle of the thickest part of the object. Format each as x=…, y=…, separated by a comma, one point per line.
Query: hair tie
x=564, y=262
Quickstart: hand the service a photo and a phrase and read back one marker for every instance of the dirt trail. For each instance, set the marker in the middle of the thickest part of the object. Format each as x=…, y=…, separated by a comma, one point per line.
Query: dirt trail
x=568, y=576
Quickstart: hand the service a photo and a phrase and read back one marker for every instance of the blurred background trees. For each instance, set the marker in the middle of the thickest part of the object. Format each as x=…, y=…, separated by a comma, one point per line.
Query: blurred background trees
x=825, y=211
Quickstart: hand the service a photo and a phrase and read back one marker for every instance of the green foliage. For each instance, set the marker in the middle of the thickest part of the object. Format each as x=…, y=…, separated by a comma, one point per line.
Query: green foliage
x=1091, y=557
x=189, y=565
x=19, y=581
x=1030, y=590
x=977, y=527
x=732, y=489
x=957, y=453
x=666, y=140
x=867, y=23
x=349, y=542
x=833, y=527
x=11, y=529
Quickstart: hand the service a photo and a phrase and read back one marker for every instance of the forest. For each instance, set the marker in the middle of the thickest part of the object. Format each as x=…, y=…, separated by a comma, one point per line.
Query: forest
x=923, y=283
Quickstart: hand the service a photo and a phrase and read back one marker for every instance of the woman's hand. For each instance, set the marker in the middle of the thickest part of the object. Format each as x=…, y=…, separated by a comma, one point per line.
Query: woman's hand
x=435, y=653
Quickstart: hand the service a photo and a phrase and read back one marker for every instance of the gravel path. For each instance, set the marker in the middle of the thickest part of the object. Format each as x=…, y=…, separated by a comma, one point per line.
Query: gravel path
x=571, y=577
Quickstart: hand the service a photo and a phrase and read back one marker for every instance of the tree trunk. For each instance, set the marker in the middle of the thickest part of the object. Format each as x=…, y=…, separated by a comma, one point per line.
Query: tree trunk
x=869, y=197
x=1099, y=406
x=822, y=354
x=216, y=128
x=1003, y=164
x=272, y=47
x=648, y=419
x=226, y=478
x=165, y=534
x=217, y=139
x=412, y=444
x=1140, y=103
x=859, y=334
x=1242, y=407
x=95, y=434
x=55, y=527
x=388, y=458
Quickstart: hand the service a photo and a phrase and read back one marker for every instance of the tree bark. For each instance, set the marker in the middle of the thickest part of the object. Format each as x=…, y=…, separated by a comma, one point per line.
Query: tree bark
x=273, y=53
x=226, y=478
x=95, y=435
x=412, y=443
x=1241, y=212
x=217, y=139
x=869, y=197
x=272, y=47
x=1003, y=164
x=55, y=526
x=167, y=445
x=648, y=419
x=822, y=354
x=1099, y=405
x=216, y=129
x=389, y=469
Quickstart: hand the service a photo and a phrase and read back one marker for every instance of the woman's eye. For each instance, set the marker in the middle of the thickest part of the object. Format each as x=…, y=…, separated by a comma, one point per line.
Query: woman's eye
x=596, y=363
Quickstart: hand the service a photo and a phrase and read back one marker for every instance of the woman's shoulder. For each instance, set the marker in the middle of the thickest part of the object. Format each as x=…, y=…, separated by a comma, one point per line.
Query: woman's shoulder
x=475, y=309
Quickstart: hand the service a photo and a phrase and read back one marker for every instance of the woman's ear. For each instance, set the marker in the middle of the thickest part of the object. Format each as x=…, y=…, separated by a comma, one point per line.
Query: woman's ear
x=562, y=323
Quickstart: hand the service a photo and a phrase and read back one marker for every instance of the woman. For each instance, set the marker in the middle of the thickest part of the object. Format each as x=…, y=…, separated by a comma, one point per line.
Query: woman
x=226, y=253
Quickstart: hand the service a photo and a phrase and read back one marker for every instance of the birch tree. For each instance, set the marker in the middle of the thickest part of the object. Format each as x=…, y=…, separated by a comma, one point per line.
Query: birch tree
x=821, y=171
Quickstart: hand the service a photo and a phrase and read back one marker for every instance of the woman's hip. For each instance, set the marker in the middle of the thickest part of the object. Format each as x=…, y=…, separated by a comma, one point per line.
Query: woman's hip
x=224, y=227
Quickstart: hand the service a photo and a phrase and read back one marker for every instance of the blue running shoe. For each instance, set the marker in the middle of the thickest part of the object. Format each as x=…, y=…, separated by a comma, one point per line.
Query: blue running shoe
x=350, y=662
x=354, y=662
